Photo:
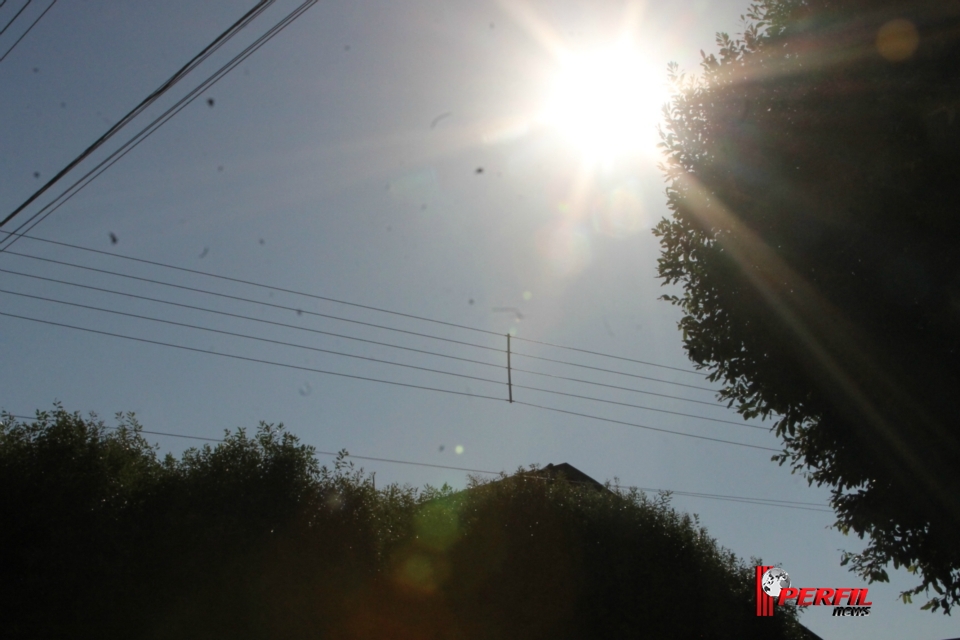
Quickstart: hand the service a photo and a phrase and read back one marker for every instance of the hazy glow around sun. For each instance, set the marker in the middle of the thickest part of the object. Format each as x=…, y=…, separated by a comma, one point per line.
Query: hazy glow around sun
x=607, y=102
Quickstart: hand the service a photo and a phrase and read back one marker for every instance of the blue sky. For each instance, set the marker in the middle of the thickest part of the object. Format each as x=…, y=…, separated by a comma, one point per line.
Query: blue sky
x=342, y=159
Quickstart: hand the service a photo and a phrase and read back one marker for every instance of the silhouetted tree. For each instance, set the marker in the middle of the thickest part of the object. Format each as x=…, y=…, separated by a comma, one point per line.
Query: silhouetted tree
x=812, y=175
x=536, y=559
x=66, y=490
x=251, y=538
x=100, y=538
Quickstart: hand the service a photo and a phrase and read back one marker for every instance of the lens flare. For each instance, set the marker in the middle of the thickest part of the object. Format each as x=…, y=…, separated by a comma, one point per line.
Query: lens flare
x=619, y=212
x=565, y=247
x=897, y=40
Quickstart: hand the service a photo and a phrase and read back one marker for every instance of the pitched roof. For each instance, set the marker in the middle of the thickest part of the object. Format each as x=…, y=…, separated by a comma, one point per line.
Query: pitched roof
x=566, y=471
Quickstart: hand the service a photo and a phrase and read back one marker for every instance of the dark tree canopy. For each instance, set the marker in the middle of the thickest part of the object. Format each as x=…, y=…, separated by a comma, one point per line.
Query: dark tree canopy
x=251, y=538
x=813, y=174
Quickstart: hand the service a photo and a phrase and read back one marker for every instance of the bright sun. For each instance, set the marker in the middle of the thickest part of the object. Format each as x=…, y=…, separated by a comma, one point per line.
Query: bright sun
x=607, y=102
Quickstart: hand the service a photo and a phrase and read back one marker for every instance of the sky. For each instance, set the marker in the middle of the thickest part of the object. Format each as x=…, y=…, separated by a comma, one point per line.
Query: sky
x=423, y=158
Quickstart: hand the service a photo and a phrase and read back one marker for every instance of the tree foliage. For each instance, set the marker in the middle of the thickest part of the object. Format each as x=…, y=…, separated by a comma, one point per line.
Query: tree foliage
x=812, y=177
x=252, y=538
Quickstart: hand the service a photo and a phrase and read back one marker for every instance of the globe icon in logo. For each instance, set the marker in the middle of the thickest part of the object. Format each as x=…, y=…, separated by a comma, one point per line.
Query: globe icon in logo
x=773, y=581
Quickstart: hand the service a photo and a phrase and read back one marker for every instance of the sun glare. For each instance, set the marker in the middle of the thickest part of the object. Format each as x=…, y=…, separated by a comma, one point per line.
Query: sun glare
x=607, y=102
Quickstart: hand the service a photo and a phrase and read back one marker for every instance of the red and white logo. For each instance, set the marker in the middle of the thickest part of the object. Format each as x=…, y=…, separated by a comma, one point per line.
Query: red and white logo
x=774, y=587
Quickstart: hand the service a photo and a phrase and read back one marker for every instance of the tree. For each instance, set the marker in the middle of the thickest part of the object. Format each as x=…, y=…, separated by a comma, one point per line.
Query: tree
x=251, y=538
x=247, y=539
x=812, y=178
x=67, y=486
x=539, y=559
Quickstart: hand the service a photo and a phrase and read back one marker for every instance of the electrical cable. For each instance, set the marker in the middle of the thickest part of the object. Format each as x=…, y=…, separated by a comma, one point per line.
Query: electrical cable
x=318, y=297
x=371, y=359
x=146, y=102
x=248, y=337
x=146, y=132
x=637, y=406
x=401, y=384
x=248, y=300
x=313, y=313
x=607, y=355
x=24, y=34
x=640, y=426
x=248, y=359
x=619, y=373
x=346, y=337
x=749, y=500
x=770, y=502
x=252, y=319
x=13, y=19
x=610, y=386
x=256, y=284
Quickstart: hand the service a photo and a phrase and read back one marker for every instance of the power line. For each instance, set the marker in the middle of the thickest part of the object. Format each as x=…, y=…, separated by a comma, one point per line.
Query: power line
x=257, y=284
x=167, y=115
x=770, y=502
x=248, y=359
x=313, y=313
x=250, y=301
x=773, y=502
x=401, y=384
x=347, y=337
x=24, y=34
x=610, y=386
x=637, y=406
x=252, y=319
x=607, y=355
x=146, y=102
x=14, y=18
x=371, y=359
x=642, y=426
x=619, y=373
x=248, y=337
x=329, y=299
x=325, y=453
x=146, y=132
